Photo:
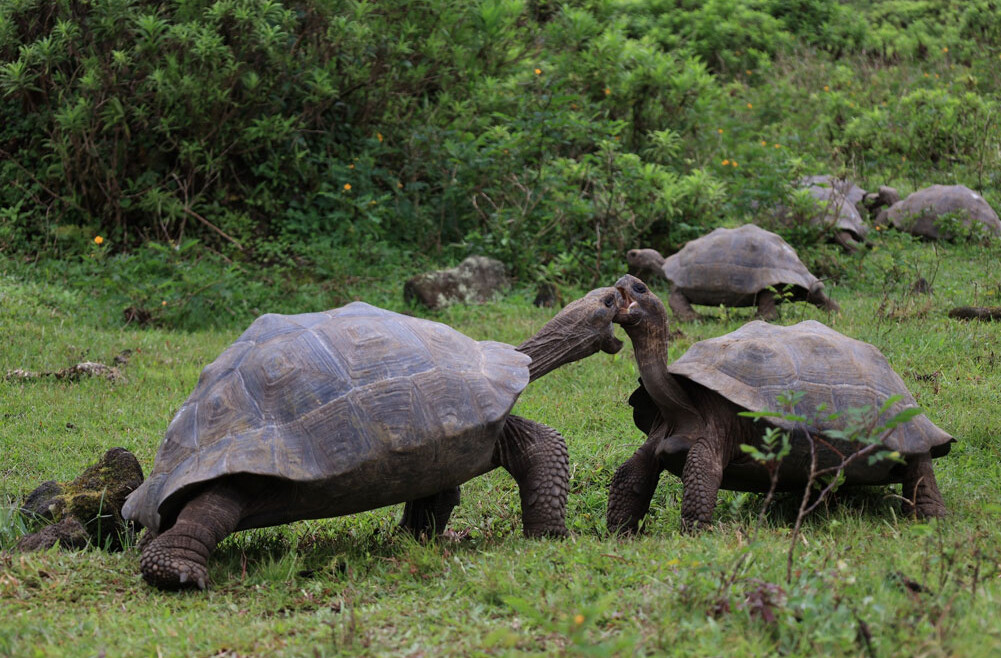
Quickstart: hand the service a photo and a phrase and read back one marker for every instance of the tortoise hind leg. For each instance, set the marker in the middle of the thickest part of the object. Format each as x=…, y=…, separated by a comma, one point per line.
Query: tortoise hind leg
x=176, y=559
x=920, y=490
x=428, y=516
x=682, y=308
x=536, y=456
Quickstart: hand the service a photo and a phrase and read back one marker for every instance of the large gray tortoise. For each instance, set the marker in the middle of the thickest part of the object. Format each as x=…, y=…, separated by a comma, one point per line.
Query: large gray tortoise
x=324, y=414
x=926, y=213
x=689, y=411
x=733, y=267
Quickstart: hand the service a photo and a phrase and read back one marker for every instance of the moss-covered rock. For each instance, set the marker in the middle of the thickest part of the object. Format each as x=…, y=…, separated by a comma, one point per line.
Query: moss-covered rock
x=94, y=499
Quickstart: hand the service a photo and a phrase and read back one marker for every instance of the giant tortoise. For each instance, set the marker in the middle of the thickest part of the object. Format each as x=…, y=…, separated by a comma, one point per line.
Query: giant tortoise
x=324, y=414
x=690, y=413
x=733, y=267
x=943, y=212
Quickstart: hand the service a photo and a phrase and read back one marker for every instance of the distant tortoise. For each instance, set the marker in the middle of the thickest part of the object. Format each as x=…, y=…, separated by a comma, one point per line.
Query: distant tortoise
x=324, y=414
x=924, y=213
x=689, y=411
x=733, y=267
x=840, y=199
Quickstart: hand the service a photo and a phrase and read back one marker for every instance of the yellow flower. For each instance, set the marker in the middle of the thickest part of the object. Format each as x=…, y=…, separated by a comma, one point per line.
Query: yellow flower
x=399, y=185
x=720, y=131
x=734, y=163
x=578, y=619
x=673, y=562
x=764, y=143
x=163, y=303
x=945, y=49
x=538, y=71
x=749, y=106
x=778, y=146
x=748, y=72
x=347, y=187
x=608, y=92
x=725, y=162
x=827, y=88
x=351, y=166
x=98, y=240
x=378, y=136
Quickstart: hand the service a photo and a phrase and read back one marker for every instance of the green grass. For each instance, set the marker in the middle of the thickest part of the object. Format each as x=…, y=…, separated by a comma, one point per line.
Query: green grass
x=351, y=586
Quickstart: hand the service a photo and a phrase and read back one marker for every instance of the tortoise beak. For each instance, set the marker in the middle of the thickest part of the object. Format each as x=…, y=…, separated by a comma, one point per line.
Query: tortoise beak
x=624, y=315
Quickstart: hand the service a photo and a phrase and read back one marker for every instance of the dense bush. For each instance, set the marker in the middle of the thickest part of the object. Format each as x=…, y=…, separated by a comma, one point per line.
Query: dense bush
x=286, y=133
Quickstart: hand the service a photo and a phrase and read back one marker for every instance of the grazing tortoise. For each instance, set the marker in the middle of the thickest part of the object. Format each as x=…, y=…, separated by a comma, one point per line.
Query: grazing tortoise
x=324, y=414
x=734, y=267
x=689, y=411
x=924, y=213
x=838, y=201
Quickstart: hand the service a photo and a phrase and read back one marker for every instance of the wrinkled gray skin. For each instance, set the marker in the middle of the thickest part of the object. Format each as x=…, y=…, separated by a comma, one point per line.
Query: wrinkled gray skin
x=689, y=411
x=324, y=414
x=733, y=267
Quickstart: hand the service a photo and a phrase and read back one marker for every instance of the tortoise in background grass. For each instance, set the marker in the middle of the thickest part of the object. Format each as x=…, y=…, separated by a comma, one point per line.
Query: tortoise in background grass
x=733, y=267
x=689, y=411
x=324, y=414
x=838, y=208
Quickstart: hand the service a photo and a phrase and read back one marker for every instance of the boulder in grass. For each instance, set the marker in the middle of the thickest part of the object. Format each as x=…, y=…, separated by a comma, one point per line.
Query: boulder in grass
x=943, y=212
x=474, y=281
x=68, y=533
x=94, y=500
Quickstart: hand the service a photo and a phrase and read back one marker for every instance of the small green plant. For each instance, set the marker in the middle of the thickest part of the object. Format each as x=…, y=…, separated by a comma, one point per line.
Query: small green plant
x=862, y=434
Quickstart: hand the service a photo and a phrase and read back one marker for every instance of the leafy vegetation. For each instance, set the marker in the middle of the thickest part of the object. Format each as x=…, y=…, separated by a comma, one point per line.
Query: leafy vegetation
x=284, y=135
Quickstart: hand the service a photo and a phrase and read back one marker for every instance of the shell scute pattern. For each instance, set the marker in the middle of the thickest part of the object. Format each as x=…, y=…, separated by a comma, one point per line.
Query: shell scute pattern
x=740, y=261
x=756, y=364
x=358, y=392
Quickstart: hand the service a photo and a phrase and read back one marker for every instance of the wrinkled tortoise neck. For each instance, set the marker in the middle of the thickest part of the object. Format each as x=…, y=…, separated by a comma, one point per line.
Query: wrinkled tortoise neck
x=650, y=342
x=562, y=340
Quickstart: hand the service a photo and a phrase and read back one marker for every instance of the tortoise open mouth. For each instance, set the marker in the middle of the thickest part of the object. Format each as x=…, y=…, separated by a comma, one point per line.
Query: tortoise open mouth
x=627, y=304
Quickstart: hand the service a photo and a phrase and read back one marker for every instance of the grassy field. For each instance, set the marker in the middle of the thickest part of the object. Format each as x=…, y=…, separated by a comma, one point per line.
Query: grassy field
x=865, y=581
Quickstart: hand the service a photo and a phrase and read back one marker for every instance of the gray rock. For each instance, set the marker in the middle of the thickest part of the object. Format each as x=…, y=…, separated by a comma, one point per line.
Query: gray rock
x=68, y=533
x=474, y=281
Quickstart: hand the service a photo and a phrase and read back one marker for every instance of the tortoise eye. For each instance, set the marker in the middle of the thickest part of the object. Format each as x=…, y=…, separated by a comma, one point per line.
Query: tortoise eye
x=609, y=300
x=639, y=288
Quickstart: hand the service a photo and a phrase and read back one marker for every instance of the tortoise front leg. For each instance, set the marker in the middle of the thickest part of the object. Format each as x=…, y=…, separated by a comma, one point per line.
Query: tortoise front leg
x=177, y=558
x=767, y=307
x=920, y=490
x=682, y=308
x=632, y=489
x=701, y=477
x=428, y=516
x=536, y=456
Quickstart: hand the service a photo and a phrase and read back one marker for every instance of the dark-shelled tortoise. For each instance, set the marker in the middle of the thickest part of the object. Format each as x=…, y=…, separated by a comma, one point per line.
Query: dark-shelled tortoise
x=324, y=414
x=733, y=267
x=689, y=411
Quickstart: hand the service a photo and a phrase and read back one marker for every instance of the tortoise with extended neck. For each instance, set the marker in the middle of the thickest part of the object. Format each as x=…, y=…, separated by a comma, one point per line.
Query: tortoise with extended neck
x=733, y=267
x=324, y=414
x=689, y=411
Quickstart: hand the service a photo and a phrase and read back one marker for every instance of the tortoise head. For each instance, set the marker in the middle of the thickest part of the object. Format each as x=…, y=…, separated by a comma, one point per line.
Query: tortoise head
x=645, y=262
x=584, y=327
x=817, y=296
x=639, y=309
